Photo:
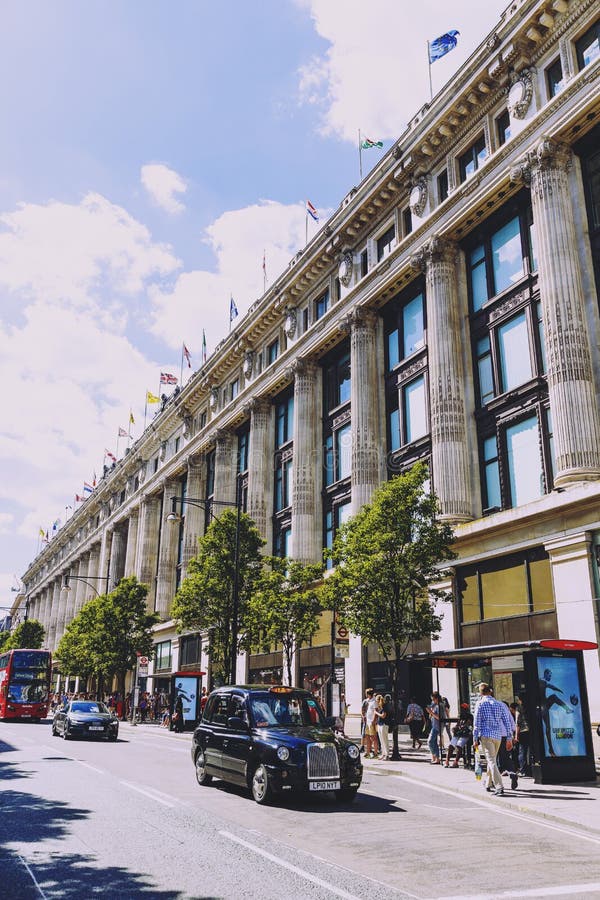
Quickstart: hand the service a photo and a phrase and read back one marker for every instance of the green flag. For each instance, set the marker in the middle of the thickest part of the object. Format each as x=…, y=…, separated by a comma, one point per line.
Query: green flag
x=368, y=143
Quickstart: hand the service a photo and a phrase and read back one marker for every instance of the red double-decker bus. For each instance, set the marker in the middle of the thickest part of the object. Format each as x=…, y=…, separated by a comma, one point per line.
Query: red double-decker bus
x=25, y=684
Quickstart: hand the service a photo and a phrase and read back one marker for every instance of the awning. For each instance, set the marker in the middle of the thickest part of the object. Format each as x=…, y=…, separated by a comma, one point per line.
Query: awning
x=473, y=657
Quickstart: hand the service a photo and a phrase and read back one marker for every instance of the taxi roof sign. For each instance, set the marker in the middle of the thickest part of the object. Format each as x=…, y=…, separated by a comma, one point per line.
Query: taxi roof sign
x=281, y=689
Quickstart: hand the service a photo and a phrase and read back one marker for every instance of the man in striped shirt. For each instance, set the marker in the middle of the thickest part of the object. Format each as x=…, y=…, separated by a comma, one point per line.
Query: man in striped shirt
x=491, y=723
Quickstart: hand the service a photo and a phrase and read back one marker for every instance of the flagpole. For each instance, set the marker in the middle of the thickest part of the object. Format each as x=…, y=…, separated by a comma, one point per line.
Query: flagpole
x=145, y=408
x=181, y=368
x=118, y=439
x=305, y=225
x=359, y=155
x=429, y=64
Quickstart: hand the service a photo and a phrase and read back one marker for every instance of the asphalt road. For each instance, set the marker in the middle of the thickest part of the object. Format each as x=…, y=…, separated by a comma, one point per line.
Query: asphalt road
x=81, y=819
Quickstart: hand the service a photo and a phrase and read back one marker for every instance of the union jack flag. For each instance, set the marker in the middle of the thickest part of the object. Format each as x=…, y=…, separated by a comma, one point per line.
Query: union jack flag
x=167, y=378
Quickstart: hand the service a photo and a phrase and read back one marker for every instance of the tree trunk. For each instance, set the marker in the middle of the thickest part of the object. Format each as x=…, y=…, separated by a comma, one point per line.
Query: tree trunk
x=395, y=695
x=121, y=689
x=99, y=686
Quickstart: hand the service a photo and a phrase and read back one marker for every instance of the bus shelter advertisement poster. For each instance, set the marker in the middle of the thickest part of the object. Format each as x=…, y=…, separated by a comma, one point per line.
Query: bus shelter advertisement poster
x=186, y=689
x=560, y=704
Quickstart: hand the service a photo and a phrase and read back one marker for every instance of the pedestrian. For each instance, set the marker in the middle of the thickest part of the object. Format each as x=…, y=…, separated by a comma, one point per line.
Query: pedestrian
x=492, y=721
x=522, y=737
x=203, y=699
x=381, y=723
x=415, y=718
x=434, y=712
x=177, y=717
x=370, y=734
x=462, y=735
x=363, y=718
x=343, y=712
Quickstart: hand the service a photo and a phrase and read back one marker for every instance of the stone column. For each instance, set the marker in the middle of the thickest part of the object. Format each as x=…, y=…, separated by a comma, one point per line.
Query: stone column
x=92, y=573
x=366, y=444
x=105, y=551
x=45, y=612
x=574, y=592
x=59, y=602
x=132, y=532
x=260, y=468
x=193, y=527
x=80, y=587
x=167, y=554
x=573, y=401
x=147, y=549
x=448, y=421
x=307, y=528
x=225, y=469
x=54, y=610
x=116, y=568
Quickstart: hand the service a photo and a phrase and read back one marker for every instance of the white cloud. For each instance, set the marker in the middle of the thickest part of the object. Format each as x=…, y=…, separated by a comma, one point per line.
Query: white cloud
x=374, y=74
x=163, y=184
x=200, y=300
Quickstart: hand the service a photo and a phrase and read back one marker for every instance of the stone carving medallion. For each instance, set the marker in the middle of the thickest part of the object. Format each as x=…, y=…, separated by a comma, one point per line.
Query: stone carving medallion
x=418, y=197
x=520, y=94
x=345, y=269
x=248, y=364
x=290, y=322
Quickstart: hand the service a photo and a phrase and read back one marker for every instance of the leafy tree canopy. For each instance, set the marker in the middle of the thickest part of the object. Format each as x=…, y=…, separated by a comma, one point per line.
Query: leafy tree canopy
x=29, y=634
x=285, y=607
x=205, y=599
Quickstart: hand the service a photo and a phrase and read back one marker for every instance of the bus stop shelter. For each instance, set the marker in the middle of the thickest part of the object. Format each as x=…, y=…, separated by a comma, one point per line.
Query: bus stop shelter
x=550, y=676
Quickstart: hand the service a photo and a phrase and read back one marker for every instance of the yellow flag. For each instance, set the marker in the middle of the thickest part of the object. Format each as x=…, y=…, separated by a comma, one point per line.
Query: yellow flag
x=131, y=419
x=152, y=398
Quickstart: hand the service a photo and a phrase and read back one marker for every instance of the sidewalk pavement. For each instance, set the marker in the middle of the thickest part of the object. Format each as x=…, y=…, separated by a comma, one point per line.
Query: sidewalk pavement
x=570, y=805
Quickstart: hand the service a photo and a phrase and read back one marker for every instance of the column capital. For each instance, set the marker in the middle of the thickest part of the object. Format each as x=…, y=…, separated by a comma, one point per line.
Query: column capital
x=305, y=367
x=437, y=249
x=362, y=318
x=257, y=406
x=547, y=154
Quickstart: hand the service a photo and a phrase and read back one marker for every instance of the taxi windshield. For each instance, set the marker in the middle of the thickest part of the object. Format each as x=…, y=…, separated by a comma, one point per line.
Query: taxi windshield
x=86, y=706
x=294, y=708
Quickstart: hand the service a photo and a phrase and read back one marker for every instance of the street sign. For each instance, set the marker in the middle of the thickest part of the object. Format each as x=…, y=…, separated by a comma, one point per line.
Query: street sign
x=143, y=666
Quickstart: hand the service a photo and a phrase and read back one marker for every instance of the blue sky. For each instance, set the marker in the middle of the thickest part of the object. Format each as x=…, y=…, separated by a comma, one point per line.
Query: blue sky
x=151, y=151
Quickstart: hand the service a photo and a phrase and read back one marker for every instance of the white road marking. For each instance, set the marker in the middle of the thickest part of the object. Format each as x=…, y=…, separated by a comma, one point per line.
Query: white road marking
x=149, y=792
x=553, y=891
x=286, y=865
x=32, y=876
x=88, y=766
x=531, y=819
x=363, y=790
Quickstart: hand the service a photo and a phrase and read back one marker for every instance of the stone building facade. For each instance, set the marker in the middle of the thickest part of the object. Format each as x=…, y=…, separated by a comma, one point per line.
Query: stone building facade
x=448, y=311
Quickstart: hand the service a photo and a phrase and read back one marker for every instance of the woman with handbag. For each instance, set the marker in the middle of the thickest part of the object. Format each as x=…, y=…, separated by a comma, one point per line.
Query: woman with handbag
x=414, y=719
x=462, y=736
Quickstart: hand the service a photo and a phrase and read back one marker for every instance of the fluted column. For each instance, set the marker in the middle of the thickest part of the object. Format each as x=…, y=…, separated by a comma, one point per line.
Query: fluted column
x=147, y=549
x=61, y=607
x=366, y=444
x=167, y=554
x=225, y=469
x=307, y=530
x=45, y=612
x=54, y=596
x=116, y=568
x=573, y=401
x=449, y=446
x=105, y=551
x=260, y=467
x=92, y=573
x=132, y=532
x=193, y=526
x=80, y=587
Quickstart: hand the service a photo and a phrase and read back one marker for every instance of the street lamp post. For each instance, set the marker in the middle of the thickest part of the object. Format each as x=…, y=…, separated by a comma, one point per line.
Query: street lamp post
x=68, y=578
x=235, y=587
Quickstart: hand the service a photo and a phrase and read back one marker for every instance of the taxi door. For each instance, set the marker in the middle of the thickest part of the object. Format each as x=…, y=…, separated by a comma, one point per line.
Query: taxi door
x=236, y=744
x=213, y=730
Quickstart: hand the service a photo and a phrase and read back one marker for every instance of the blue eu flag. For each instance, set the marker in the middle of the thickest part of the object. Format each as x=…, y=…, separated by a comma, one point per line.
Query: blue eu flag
x=442, y=45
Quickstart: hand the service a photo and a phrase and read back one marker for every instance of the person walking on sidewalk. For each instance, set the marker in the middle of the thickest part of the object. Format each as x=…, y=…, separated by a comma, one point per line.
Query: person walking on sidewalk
x=381, y=723
x=492, y=721
x=415, y=718
x=434, y=712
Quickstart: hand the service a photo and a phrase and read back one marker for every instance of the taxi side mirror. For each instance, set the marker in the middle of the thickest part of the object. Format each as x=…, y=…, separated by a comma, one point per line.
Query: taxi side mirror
x=236, y=724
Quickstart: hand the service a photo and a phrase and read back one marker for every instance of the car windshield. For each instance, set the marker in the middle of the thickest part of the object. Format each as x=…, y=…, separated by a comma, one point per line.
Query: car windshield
x=87, y=706
x=295, y=708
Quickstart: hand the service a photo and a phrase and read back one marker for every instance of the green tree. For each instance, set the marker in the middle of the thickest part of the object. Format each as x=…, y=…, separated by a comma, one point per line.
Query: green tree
x=29, y=634
x=387, y=560
x=106, y=635
x=285, y=607
x=205, y=599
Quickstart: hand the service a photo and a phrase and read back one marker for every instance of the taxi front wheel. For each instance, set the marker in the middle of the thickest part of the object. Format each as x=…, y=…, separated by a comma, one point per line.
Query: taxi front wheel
x=261, y=790
x=202, y=777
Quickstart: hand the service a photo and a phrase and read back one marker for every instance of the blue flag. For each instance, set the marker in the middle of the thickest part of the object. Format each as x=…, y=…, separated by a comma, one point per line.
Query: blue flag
x=442, y=45
x=233, y=310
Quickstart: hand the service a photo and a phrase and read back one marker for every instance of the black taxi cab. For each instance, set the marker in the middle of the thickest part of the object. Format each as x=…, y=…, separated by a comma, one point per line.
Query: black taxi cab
x=273, y=740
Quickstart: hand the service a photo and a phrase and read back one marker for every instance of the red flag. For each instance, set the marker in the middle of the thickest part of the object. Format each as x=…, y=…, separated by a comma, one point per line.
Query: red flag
x=167, y=378
x=186, y=353
x=110, y=455
x=122, y=432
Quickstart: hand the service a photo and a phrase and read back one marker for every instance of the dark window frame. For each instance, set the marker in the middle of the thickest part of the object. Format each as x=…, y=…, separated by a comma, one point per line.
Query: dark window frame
x=472, y=156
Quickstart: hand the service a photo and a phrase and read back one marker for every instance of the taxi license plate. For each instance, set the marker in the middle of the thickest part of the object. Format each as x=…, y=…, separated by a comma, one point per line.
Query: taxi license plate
x=324, y=786
x=96, y=728
x=25, y=715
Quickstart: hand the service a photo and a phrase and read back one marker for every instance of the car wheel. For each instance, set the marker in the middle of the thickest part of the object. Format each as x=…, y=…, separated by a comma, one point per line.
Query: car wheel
x=113, y=737
x=346, y=795
x=54, y=731
x=202, y=777
x=66, y=733
x=261, y=790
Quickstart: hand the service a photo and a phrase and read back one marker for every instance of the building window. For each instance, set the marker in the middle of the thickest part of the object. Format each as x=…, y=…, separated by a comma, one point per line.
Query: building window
x=554, y=78
x=407, y=225
x=503, y=128
x=405, y=330
x=177, y=444
x=589, y=151
x=305, y=319
x=385, y=243
x=337, y=382
x=321, y=305
x=588, y=46
x=334, y=519
x=514, y=353
x=442, y=186
x=524, y=461
x=513, y=585
x=338, y=455
x=364, y=263
x=415, y=410
x=283, y=484
x=472, y=159
x=243, y=449
x=272, y=352
x=190, y=647
x=485, y=370
x=284, y=421
x=501, y=259
x=203, y=418
x=162, y=656
x=491, y=465
x=234, y=388
x=283, y=542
